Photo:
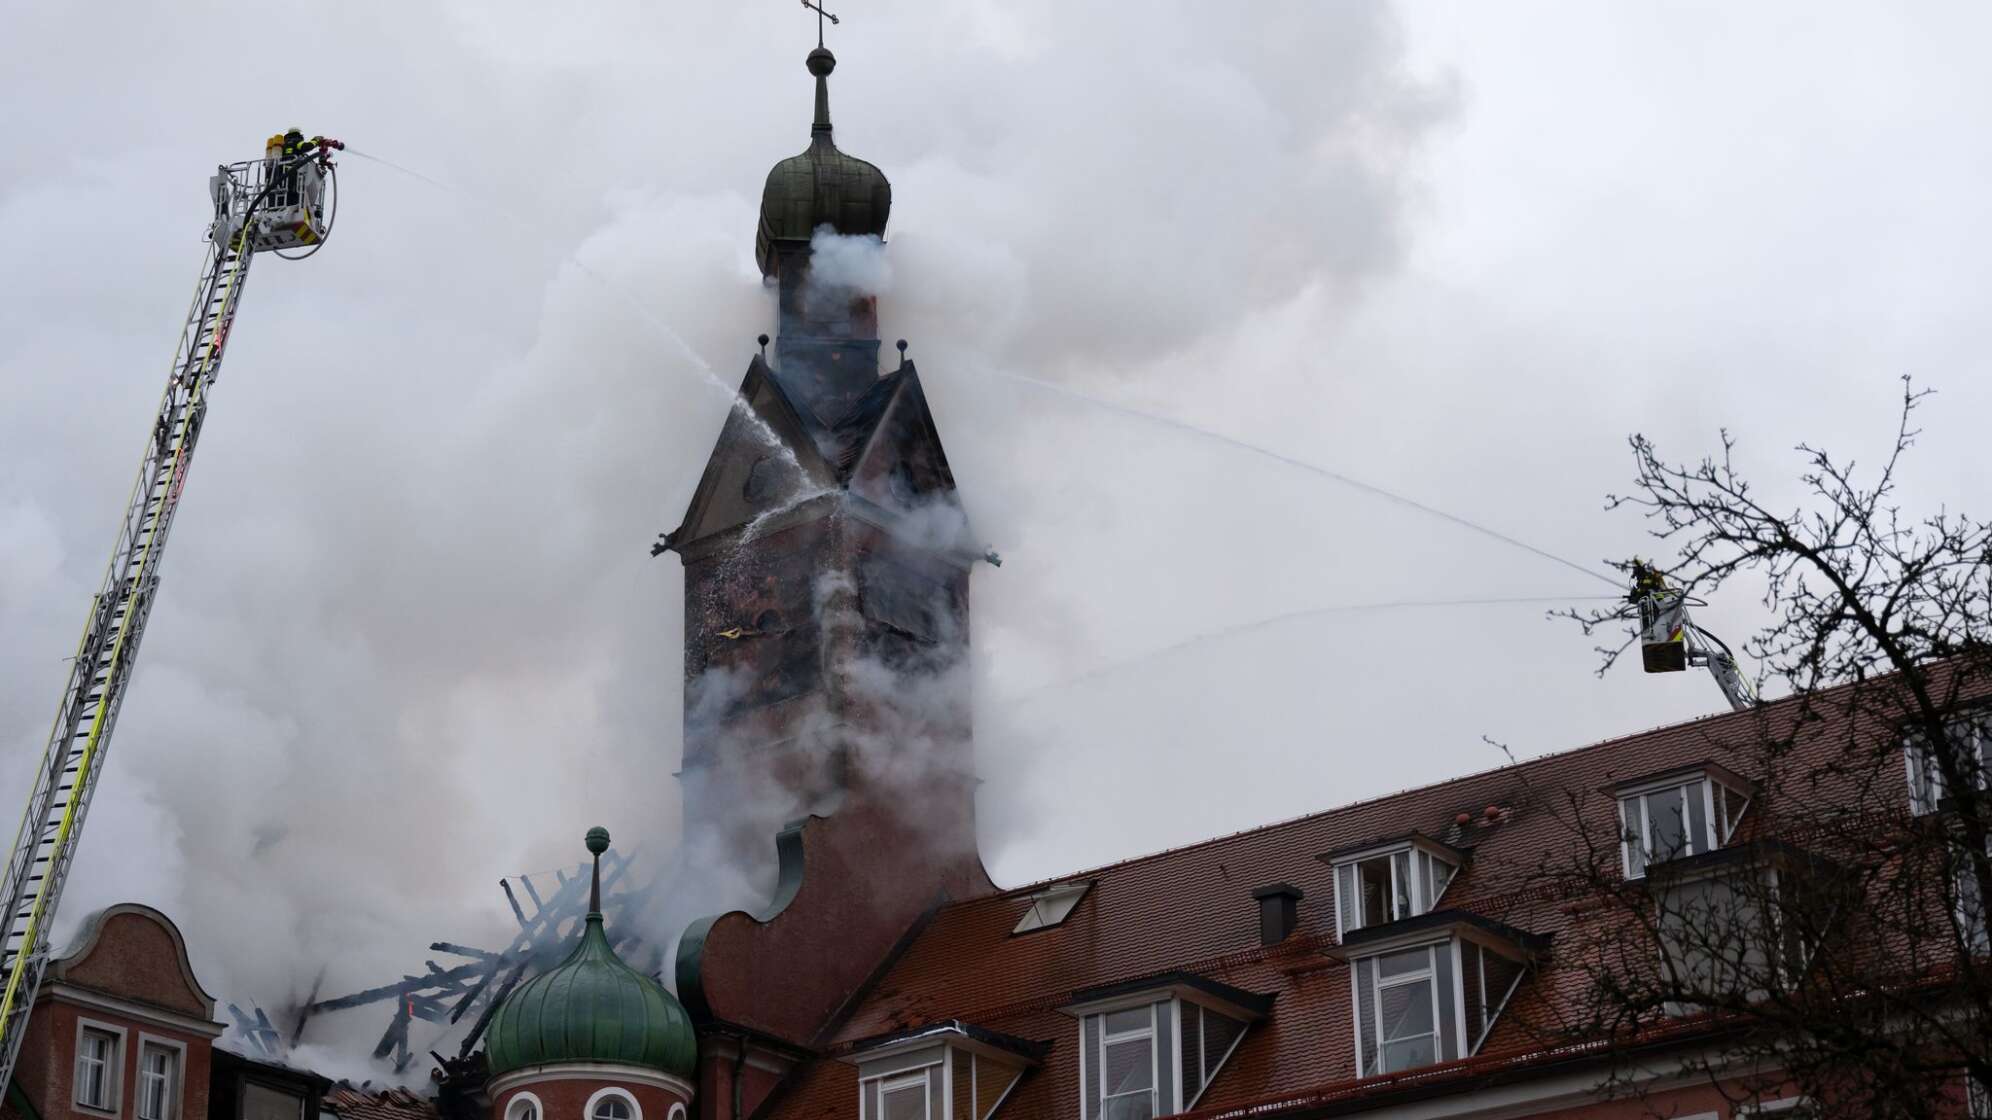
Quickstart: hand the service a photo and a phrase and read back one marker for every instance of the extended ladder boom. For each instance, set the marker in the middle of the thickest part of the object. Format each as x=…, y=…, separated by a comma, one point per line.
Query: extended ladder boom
x=276, y=203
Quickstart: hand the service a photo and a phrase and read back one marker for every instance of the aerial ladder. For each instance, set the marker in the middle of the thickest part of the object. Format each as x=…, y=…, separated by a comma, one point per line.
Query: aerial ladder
x=1670, y=642
x=285, y=204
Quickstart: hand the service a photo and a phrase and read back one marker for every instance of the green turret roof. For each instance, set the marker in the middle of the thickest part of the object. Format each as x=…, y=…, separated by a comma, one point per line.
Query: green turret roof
x=821, y=186
x=592, y=1008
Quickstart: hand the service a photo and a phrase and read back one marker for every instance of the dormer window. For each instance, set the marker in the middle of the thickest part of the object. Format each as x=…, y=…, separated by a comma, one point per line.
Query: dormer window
x=948, y=1071
x=1151, y=1048
x=1430, y=990
x=1927, y=787
x=1389, y=882
x=1682, y=813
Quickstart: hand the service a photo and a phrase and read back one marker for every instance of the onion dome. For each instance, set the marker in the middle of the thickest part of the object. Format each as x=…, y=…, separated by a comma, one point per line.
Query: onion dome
x=592, y=1008
x=822, y=186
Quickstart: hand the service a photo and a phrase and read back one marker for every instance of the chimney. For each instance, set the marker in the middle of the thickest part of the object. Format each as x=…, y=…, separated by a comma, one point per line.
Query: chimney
x=1278, y=911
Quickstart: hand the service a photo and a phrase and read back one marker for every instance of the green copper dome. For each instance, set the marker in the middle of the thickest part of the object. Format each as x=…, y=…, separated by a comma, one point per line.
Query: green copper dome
x=822, y=186
x=592, y=1008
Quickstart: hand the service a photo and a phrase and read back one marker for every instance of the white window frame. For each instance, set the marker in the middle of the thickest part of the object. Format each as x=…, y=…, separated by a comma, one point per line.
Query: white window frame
x=899, y=1082
x=610, y=1092
x=1050, y=907
x=1467, y=1037
x=1473, y=1035
x=1098, y=1022
x=515, y=1107
x=1428, y=975
x=1719, y=828
x=899, y=1079
x=176, y=1079
x=113, y=1073
x=1348, y=910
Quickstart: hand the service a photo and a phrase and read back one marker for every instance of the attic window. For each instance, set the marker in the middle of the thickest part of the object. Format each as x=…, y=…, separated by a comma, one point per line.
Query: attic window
x=1430, y=990
x=945, y=1071
x=1389, y=883
x=1151, y=1047
x=1681, y=814
x=1051, y=906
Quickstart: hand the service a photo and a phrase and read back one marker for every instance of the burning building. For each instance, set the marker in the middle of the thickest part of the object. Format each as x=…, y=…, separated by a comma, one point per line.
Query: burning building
x=1429, y=953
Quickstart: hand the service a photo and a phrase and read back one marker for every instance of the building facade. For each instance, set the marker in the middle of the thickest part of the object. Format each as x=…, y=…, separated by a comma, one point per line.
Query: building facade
x=122, y=1030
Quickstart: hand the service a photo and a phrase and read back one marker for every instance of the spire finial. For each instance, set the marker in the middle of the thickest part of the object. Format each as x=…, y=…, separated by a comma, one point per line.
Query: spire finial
x=821, y=15
x=820, y=63
x=598, y=842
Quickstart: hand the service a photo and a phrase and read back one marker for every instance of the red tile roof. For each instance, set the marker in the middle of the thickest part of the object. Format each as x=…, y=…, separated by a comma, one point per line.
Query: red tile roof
x=1191, y=909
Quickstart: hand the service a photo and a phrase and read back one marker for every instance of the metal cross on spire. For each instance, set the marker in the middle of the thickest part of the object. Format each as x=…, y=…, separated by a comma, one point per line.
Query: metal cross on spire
x=821, y=15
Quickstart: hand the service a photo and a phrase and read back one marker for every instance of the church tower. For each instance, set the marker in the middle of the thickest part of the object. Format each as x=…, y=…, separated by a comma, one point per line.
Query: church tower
x=826, y=553
x=827, y=731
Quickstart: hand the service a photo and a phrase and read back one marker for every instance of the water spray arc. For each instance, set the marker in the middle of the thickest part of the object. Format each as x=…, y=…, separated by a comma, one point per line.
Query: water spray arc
x=778, y=447
x=703, y=368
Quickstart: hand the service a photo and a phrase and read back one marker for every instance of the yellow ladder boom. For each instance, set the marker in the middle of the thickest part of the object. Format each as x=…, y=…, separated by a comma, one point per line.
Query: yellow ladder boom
x=271, y=204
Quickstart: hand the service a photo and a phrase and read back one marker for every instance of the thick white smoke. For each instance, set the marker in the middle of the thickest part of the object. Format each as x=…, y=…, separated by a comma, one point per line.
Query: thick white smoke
x=411, y=638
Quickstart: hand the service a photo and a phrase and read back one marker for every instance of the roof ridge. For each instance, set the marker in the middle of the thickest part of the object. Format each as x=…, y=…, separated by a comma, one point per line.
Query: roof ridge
x=1758, y=712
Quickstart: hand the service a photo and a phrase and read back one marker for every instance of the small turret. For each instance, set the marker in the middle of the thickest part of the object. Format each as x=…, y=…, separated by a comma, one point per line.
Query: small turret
x=592, y=1025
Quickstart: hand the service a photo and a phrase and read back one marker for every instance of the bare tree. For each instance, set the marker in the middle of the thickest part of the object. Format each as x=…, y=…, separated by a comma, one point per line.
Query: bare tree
x=1833, y=944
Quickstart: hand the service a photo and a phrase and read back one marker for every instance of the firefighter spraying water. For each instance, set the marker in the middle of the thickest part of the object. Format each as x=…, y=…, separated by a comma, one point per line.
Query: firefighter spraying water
x=1670, y=642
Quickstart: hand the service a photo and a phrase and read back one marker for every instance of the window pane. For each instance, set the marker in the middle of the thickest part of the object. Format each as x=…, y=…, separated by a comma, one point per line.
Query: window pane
x=1092, y=1061
x=1734, y=804
x=155, y=1083
x=1219, y=1033
x=1410, y=960
x=1401, y=895
x=615, y=1108
x=93, y=1069
x=1498, y=976
x=1192, y=1032
x=1134, y=1019
x=1366, y=1015
x=1440, y=874
x=1697, y=796
x=904, y=1101
x=1442, y=960
x=1469, y=985
x=1971, y=908
x=1348, y=903
x=1408, y=1054
x=1130, y=1067
x=1666, y=824
x=1634, y=811
x=1373, y=878
x=1407, y=1010
x=1138, y=1107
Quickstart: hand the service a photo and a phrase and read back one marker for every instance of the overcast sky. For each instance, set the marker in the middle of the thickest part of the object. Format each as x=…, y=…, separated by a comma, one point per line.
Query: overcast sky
x=410, y=639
